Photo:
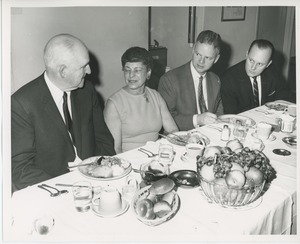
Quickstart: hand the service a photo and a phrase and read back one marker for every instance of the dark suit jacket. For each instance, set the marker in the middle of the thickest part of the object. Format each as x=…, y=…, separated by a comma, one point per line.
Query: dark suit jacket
x=236, y=88
x=41, y=146
x=178, y=90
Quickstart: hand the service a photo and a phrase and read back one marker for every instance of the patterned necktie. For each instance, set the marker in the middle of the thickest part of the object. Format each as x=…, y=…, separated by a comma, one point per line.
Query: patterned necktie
x=68, y=119
x=255, y=92
x=201, y=101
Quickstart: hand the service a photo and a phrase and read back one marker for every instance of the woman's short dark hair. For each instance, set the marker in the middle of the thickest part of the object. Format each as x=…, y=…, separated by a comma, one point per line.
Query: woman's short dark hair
x=137, y=54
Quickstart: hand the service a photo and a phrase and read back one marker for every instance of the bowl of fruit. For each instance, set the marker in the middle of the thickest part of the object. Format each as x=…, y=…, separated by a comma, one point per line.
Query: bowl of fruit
x=234, y=178
x=157, y=203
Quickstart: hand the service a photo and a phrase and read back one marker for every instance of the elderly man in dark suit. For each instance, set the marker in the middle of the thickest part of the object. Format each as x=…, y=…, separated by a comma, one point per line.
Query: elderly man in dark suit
x=191, y=91
x=252, y=82
x=57, y=118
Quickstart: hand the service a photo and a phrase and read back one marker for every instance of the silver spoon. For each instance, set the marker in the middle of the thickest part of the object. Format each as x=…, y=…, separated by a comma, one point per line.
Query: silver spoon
x=147, y=152
x=51, y=193
x=60, y=192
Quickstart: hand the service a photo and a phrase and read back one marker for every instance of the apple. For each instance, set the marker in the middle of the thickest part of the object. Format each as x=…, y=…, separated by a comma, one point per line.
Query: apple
x=152, y=197
x=162, y=208
x=254, y=176
x=169, y=197
x=234, y=144
x=207, y=172
x=211, y=151
x=226, y=150
x=235, y=178
x=236, y=166
x=238, y=150
x=145, y=208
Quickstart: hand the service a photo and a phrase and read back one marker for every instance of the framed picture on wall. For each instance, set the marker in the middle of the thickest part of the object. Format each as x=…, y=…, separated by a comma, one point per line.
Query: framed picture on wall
x=233, y=13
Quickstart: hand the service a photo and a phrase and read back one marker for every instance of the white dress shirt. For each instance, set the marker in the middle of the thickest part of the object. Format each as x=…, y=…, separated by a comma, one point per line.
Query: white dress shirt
x=57, y=96
x=196, y=77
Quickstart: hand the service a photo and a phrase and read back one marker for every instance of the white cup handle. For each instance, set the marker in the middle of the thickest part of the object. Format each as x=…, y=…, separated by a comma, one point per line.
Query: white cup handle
x=132, y=181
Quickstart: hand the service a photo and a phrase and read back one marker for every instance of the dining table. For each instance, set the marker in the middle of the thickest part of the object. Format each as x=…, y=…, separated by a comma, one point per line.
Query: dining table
x=272, y=214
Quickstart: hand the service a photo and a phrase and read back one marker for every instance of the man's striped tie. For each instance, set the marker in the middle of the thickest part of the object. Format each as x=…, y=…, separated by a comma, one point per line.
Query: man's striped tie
x=201, y=101
x=255, y=92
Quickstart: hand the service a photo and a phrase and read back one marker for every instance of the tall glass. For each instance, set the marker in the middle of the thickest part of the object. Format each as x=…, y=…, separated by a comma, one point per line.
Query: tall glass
x=240, y=131
x=82, y=193
x=166, y=154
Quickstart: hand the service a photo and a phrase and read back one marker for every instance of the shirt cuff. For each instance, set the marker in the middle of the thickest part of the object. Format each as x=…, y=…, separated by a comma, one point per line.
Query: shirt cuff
x=195, y=121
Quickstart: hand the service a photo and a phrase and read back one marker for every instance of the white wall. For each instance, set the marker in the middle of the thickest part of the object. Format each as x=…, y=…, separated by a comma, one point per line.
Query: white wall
x=170, y=28
x=237, y=34
x=107, y=32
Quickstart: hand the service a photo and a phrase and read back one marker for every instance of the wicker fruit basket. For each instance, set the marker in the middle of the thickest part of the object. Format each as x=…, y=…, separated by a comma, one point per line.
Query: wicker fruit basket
x=144, y=193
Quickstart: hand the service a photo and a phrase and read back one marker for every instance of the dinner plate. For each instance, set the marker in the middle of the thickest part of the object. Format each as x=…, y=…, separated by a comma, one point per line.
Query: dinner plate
x=125, y=206
x=185, y=178
x=181, y=138
x=271, y=137
x=232, y=118
x=278, y=105
x=87, y=170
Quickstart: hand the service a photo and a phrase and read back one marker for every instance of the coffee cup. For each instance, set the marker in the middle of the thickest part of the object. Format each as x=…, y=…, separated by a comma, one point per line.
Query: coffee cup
x=263, y=130
x=193, y=150
x=108, y=201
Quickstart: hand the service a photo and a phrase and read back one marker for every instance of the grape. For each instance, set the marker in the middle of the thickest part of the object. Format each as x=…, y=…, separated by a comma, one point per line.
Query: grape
x=218, y=175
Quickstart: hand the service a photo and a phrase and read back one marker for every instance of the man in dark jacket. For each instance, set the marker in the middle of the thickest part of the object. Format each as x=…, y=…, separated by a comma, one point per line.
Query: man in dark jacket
x=252, y=82
x=57, y=118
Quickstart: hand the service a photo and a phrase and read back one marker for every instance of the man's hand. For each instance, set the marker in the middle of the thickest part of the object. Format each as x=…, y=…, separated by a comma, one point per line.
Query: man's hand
x=206, y=118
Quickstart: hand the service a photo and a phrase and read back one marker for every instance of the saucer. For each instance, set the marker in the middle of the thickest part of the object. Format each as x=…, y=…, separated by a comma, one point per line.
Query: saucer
x=187, y=159
x=271, y=137
x=125, y=206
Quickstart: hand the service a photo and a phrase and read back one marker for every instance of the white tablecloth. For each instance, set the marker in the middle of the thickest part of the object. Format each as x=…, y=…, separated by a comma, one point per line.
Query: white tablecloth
x=273, y=213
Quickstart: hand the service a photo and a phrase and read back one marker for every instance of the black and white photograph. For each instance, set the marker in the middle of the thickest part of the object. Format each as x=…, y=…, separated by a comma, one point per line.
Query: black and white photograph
x=149, y=121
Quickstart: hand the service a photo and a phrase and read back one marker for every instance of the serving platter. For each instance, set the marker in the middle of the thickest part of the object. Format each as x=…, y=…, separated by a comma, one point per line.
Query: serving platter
x=232, y=119
x=113, y=168
x=181, y=138
x=278, y=105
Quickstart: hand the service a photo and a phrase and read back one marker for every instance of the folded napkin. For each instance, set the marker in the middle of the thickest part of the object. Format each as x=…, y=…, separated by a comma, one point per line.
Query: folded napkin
x=75, y=162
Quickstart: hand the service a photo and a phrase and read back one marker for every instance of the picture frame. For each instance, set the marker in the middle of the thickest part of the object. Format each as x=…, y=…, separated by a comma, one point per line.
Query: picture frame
x=233, y=13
